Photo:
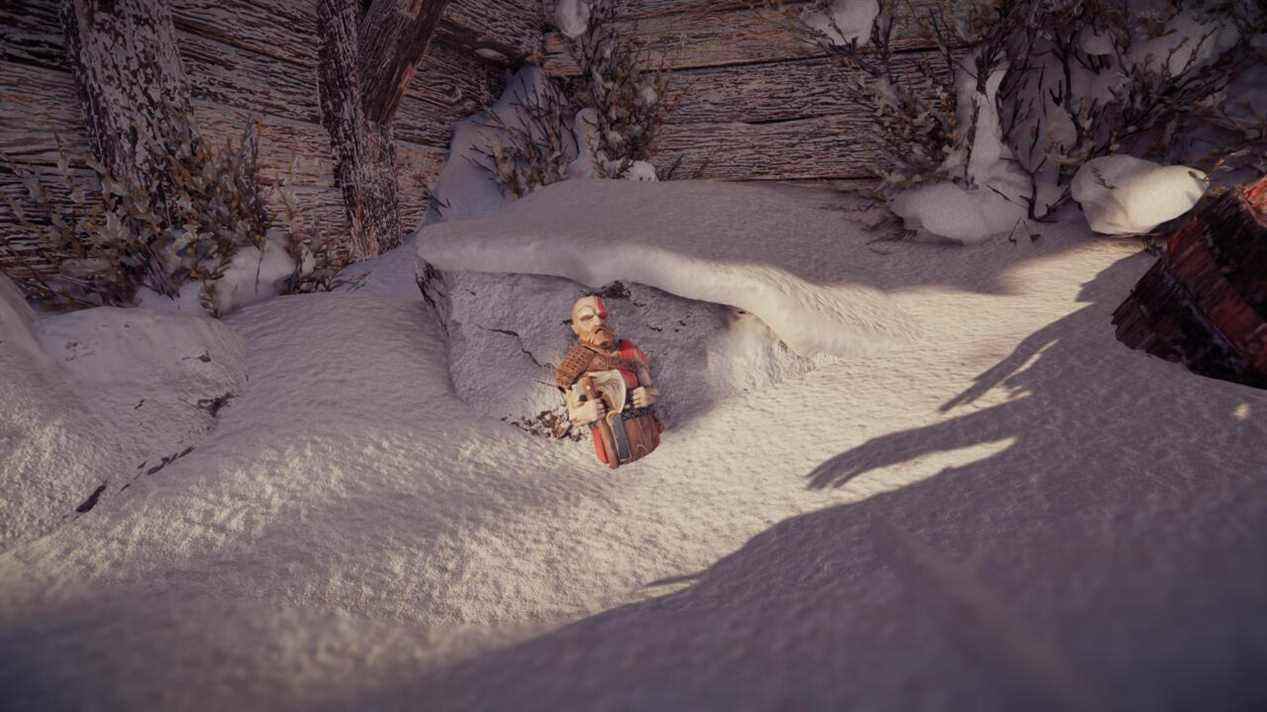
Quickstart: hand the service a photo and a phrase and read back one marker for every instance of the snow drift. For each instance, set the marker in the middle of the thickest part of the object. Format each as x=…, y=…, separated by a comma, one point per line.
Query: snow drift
x=351, y=534
x=90, y=394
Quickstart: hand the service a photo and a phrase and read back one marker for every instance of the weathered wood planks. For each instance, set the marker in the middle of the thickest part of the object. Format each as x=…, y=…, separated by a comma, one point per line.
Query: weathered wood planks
x=820, y=147
x=750, y=99
x=248, y=60
x=286, y=29
x=781, y=91
x=709, y=37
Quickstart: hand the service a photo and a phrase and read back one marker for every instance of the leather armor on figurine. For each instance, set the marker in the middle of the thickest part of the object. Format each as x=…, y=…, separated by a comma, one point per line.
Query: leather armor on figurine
x=607, y=385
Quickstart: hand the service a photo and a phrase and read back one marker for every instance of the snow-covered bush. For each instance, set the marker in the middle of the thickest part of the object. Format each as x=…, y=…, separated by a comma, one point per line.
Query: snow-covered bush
x=122, y=243
x=626, y=104
x=535, y=146
x=1027, y=92
x=1088, y=79
x=318, y=256
x=916, y=126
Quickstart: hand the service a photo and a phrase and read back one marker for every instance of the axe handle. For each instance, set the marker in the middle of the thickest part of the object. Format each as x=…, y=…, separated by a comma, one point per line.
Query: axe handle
x=604, y=428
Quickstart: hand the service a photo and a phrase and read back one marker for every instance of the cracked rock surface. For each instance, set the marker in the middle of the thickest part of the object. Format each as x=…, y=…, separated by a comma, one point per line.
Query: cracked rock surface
x=507, y=332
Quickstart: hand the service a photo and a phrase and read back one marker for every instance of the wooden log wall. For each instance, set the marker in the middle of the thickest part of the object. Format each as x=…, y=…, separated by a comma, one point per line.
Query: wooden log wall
x=755, y=101
x=255, y=60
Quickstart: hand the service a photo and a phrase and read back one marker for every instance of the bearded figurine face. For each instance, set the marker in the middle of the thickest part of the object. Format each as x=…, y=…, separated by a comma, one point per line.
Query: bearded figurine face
x=589, y=323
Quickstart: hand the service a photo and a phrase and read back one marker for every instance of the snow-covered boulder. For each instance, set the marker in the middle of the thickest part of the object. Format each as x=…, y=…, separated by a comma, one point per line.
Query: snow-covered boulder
x=1124, y=195
x=16, y=319
x=957, y=213
x=507, y=332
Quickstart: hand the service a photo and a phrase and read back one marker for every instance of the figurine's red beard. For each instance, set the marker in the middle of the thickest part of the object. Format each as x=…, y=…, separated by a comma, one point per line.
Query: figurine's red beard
x=601, y=338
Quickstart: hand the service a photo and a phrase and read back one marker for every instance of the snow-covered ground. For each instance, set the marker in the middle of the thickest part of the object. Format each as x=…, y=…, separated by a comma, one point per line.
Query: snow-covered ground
x=993, y=505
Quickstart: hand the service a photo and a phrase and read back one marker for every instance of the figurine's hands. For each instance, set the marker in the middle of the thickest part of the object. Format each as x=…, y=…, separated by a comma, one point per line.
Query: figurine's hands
x=587, y=412
x=644, y=396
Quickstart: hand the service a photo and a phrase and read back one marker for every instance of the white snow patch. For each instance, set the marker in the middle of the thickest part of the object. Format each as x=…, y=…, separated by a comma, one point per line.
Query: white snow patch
x=186, y=301
x=995, y=200
x=572, y=17
x=843, y=20
x=253, y=276
x=947, y=210
x=1124, y=195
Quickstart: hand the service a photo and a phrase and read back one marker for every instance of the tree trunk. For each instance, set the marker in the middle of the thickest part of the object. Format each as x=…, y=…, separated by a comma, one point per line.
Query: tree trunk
x=365, y=64
x=1205, y=301
x=124, y=57
x=395, y=37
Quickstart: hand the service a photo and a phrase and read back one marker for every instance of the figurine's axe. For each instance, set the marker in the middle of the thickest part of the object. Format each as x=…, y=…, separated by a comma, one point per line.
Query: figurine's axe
x=604, y=428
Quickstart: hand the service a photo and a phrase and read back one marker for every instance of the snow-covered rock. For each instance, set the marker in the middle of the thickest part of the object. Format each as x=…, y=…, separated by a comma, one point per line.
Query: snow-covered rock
x=572, y=17
x=950, y=211
x=1124, y=195
x=843, y=21
x=507, y=332
x=694, y=239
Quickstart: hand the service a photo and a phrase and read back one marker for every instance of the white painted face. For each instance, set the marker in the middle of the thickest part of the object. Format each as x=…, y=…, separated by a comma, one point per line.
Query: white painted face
x=589, y=323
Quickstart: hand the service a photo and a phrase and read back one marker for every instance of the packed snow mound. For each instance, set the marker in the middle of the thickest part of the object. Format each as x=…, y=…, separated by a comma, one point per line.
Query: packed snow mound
x=1124, y=195
x=728, y=244
x=253, y=276
x=957, y=213
x=506, y=333
x=51, y=448
x=171, y=354
x=90, y=394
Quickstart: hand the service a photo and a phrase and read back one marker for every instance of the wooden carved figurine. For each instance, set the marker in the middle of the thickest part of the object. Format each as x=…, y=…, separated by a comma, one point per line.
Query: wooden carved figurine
x=607, y=385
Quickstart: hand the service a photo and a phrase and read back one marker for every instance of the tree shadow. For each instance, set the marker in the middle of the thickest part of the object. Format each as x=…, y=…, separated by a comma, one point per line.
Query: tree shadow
x=1076, y=395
